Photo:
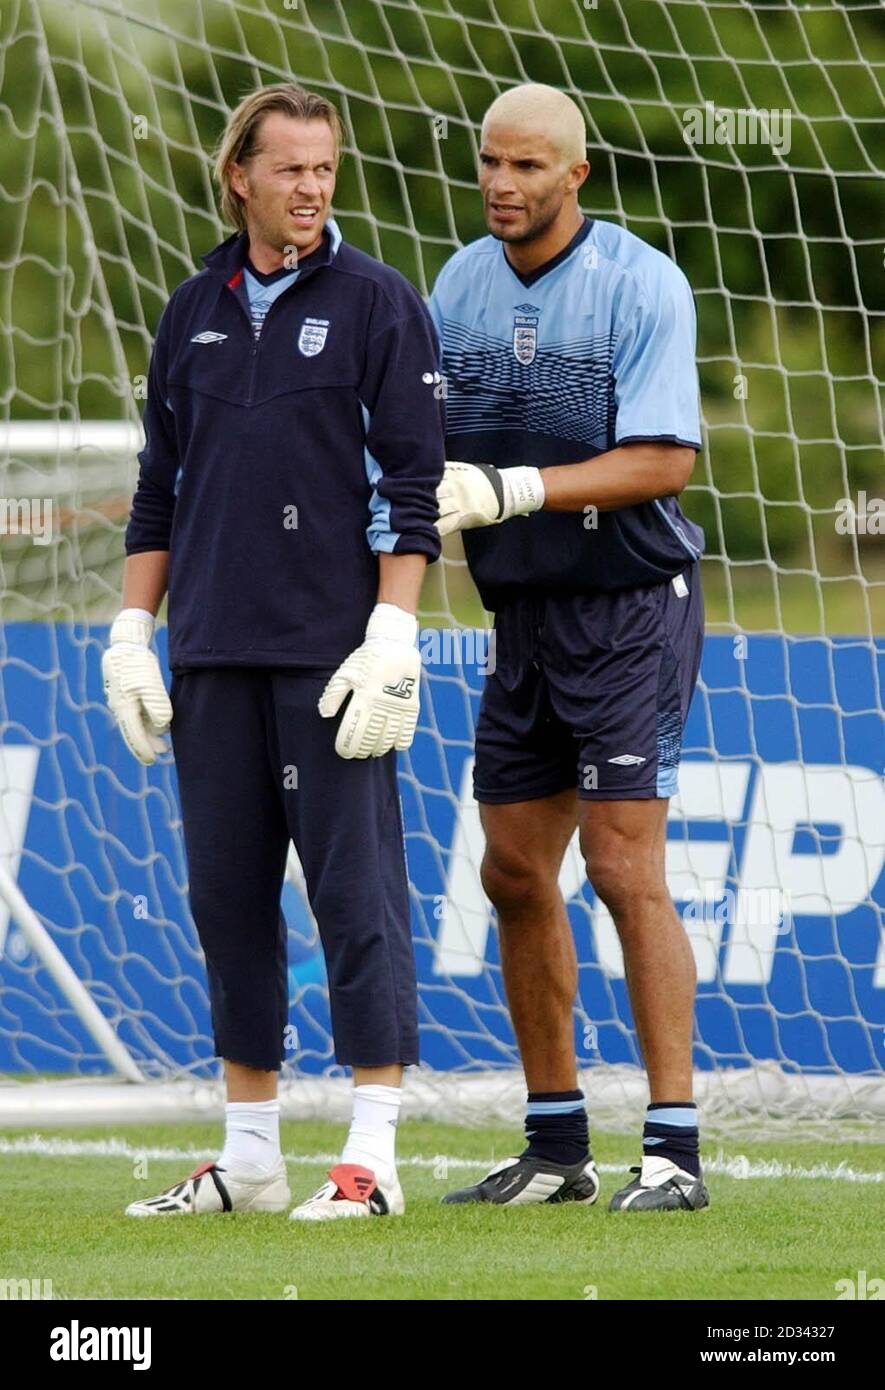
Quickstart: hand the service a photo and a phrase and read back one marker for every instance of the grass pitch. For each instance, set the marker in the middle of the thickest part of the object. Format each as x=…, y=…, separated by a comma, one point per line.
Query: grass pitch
x=791, y=1236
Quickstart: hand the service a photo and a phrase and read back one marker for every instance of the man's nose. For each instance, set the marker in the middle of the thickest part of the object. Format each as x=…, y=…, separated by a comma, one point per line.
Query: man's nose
x=501, y=185
x=308, y=186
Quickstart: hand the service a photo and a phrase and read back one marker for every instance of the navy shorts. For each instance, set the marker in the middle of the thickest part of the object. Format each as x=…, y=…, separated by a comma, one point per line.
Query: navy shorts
x=590, y=691
x=257, y=767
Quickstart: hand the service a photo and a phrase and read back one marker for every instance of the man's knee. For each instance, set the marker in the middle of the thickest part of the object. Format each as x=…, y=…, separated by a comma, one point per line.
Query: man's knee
x=622, y=874
x=514, y=881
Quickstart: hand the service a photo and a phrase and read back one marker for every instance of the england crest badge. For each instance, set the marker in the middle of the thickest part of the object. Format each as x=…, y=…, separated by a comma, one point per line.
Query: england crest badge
x=525, y=335
x=312, y=338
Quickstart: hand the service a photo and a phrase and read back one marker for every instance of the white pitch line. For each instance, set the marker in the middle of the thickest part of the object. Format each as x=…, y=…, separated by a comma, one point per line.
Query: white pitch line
x=736, y=1166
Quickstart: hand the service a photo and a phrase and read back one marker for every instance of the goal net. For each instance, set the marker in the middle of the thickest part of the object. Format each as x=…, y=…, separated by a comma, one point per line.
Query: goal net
x=741, y=139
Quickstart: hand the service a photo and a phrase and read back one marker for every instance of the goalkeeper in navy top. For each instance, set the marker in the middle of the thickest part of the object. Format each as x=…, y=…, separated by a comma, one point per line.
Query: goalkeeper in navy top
x=568, y=356
x=287, y=499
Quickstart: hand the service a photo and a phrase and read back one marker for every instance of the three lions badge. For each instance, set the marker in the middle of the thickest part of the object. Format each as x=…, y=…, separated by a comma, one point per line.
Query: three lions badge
x=525, y=333
x=312, y=338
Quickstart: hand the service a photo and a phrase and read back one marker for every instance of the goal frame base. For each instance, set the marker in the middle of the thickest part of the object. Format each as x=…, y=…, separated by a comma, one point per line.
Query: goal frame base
x=759, y=1099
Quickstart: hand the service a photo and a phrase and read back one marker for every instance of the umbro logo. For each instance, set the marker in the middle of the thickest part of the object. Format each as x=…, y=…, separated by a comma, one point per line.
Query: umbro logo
x=208, y=336
x=527, y=308
x=628, y=760
x=403, y=688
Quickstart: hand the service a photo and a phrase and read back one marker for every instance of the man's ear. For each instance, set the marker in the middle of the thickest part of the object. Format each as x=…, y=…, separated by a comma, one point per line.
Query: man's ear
x=238, y=180
x=580, y=174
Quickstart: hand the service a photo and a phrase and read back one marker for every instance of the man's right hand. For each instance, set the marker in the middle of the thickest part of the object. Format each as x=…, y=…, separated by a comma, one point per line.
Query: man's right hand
x=134, y=686
x=477, y=494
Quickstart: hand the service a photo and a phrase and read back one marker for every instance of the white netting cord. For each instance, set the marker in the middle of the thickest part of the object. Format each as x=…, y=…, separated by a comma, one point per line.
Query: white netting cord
x=131, y=211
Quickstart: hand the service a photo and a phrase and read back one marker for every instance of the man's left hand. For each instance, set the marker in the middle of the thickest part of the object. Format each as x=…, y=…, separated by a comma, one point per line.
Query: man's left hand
x=383, y=679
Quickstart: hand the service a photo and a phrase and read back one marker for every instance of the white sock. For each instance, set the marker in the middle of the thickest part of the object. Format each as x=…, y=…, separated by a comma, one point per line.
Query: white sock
x=372, y=1139
x=251, y=1137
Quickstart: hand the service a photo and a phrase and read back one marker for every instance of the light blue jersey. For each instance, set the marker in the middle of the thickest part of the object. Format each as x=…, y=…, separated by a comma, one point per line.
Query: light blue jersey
x=594, y=349
x=258, y=291
x=262, y=292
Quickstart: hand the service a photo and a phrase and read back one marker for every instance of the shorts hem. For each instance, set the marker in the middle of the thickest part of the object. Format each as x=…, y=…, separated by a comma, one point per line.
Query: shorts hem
x=409, y=1058
x=239, y=1059
x=637, y=794
x=524, y=794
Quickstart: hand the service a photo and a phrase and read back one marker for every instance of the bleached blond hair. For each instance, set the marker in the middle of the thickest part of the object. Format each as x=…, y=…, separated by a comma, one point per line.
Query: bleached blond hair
x=539, y=107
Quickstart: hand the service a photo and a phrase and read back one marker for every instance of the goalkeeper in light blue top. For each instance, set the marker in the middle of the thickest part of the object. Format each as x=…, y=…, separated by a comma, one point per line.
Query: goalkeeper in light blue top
x=568, y=355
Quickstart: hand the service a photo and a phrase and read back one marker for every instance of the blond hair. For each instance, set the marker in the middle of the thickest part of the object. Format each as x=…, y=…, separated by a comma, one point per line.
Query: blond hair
x=544, y=110
x=240, y=140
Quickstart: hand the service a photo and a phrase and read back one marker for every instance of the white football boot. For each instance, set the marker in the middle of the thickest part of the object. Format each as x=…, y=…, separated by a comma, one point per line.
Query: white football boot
x=212, y=1189
x=661, y=1186
x=352, y=1190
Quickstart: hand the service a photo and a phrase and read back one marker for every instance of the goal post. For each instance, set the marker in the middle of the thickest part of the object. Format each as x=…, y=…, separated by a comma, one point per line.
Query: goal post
x=741, y=140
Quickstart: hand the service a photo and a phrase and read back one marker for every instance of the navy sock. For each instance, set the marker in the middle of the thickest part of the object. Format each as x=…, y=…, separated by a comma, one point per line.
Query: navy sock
x=556, y=1126
x=671, y=1131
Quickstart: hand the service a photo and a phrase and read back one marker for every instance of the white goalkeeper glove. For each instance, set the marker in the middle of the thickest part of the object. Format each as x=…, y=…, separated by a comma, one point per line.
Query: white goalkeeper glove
x=384, y=676
x=133, y=685
x=476, y=494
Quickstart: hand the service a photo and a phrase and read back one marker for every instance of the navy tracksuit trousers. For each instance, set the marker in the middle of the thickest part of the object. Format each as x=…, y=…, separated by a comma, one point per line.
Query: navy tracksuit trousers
x=257, y=767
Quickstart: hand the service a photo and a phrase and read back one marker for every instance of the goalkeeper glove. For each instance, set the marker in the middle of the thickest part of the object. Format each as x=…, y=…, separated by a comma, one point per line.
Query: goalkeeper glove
x=134, y=685
x=476, y=494
x=382, y=677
